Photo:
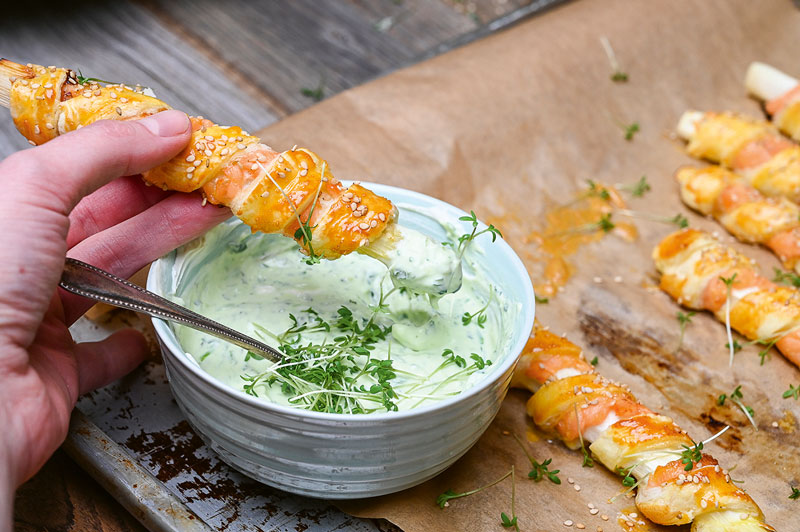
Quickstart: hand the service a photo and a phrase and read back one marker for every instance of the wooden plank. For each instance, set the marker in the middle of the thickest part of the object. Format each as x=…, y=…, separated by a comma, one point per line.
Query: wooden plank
x=284, y=47
x=61, y=497
x=121, y=41
x=416, y=25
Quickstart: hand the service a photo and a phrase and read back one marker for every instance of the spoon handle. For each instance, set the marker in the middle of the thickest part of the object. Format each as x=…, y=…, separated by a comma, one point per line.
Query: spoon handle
x=92, y=282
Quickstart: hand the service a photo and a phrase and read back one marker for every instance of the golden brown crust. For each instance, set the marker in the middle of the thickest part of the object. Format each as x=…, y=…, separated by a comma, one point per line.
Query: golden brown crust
x=674, y=496
x=718, y=137
x=623, y=443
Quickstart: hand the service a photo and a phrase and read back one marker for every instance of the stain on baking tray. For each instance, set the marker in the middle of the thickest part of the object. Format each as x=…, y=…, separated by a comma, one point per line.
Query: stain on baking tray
x=679, y=376
x=179, y=453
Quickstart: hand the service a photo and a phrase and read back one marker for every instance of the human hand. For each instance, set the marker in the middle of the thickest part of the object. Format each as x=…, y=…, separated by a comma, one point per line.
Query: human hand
x=63, y=199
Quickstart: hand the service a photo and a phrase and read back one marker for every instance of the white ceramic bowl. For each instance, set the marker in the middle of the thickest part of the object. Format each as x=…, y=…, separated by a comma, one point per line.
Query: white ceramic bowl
x=341, y=456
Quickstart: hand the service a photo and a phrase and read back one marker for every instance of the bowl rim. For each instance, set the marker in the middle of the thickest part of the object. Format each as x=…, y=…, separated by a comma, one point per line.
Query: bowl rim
x=169, y=341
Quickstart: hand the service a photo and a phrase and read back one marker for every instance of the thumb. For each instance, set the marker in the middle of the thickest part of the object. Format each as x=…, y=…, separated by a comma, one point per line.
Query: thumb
x=71, y=166
x=100, y=363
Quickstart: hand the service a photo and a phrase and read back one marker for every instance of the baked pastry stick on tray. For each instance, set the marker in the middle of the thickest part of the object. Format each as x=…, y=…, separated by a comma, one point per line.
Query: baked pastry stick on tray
x=701, y=273
x=753, y=148
x=575, y=403
x=780, y=93
x=743, y=211
x=291, y=192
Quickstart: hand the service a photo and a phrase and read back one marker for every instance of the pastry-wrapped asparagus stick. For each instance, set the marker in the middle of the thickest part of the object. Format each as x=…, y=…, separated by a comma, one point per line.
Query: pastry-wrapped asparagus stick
x=574, y=402
x=743, y=211
x=293, y=192
x=694, y=269
x=781, y=92
x=752, y=148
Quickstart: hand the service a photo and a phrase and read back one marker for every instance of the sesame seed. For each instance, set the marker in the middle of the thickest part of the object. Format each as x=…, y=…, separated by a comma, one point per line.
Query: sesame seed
x=382, y=217
x=363, y=226
x=254, y=166
x=577, y=487
x=357, y=214
x=373, y=223
x=208, y=137
x=604, y=517
x=31, y=143
x=633, y=515
x=571, y=480
x=205, y=200
x=353, y=206
x=261, y=159
x=48, y=85
x=48, y=93
x=304, y=165
x=97, y=92
x=48, y=125
x=224, y=137
x=190, y=169
x=568, y=522
x=197, y=163
x=35, y=85
x=224, y=152
x=618, y=279
x=590, y=505
x=265, y=194
x=36, y=129
x=303, y=173
x=281, y=174
x=190, y=158
x=597, y=280
x=240, y=139
x=113, y=95
x=594, y=511
x=123, y=100
x=208, y=152
x=241, y=146
x=580, y=526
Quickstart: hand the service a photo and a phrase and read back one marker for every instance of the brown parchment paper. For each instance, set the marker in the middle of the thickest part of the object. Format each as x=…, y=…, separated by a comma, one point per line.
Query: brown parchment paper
x=513, y=124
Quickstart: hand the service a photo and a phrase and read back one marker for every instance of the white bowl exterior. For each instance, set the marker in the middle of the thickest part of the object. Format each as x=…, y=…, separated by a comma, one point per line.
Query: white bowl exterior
x=336, y=456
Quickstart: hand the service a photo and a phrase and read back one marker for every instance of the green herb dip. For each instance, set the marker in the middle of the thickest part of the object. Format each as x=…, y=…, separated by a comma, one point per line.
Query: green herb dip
x=260, y=285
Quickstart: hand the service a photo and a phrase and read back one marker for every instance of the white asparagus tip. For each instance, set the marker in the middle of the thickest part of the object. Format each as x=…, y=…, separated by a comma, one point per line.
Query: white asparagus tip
x=767, y=82
x=687, y=123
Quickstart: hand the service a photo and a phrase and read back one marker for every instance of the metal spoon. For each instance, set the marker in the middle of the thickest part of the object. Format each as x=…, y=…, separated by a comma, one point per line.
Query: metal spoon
x=92, y=282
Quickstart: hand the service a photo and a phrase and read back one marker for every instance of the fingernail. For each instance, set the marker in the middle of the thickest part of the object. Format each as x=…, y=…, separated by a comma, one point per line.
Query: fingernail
x=166, y=123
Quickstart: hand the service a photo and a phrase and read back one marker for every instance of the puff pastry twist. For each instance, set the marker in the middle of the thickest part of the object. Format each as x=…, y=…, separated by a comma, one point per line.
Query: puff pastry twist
x=271, y=192
x=692, y=265
x=743, y=211
x=752, y=148
x=570, y=399
x=781, y=93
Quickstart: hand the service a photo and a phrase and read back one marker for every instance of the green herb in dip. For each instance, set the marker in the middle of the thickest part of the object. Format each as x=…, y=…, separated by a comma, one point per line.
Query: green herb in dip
x=353, y=342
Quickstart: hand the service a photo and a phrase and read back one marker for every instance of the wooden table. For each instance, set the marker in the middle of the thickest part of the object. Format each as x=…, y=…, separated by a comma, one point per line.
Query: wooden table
x=236, y=62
